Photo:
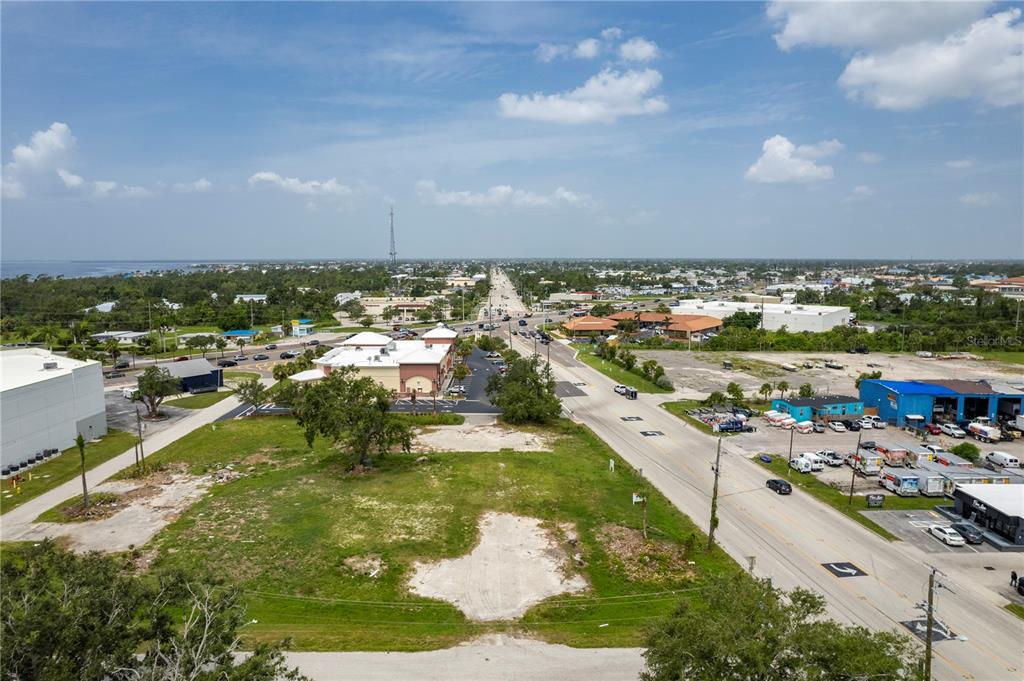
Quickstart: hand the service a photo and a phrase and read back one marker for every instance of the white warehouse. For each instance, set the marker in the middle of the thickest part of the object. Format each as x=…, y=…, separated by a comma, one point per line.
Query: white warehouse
x=46, y=400
x=814, y=318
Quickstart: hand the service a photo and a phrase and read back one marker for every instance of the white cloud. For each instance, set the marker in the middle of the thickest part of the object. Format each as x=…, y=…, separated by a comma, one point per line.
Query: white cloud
x=819, y=150
x=201, y=185
x=587, y=49
x=961, y=164
x=858, y=25
x=638, y=49
x=861, y=192
x=37, y=160
x=547, y=52
x=130, y=191
x=70, y=179
x=782, y=161
x=498, y=196
x=611, y=33
x=294, y=185
x=869, y=157
x=108, y=189
x=603, y=98
x=983, y=199
x=985, y=61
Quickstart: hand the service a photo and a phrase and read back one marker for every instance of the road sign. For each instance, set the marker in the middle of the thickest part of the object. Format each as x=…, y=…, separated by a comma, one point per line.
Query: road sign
x=875, y=500
x=844, y=569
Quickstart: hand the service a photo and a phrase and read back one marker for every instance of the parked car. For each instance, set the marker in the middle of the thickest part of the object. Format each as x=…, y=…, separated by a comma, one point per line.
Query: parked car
x=522, y=322
x=620, y=389
x=837, y=426
x=831, y=458
x=121, y=364
x=260, y=357
x=779, y=486
x=852, y=426
x=492, y=355
x=932, y=429
x=288, y=355
x=866, y=423
x=818, y=427
x=227, y=363
x=800, y=464
x=240, y=358
x=946, y=535
x=467, y=329
x=272, y=346
x=183, y=358
x=970, y=533
x=129, y=393
x=952, y=430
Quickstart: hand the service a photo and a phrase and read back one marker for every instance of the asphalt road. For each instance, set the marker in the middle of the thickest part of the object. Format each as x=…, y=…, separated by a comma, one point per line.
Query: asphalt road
x=791, y=539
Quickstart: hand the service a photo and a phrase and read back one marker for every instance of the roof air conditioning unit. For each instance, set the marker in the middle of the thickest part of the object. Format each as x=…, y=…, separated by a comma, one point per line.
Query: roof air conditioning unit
x=48, y=366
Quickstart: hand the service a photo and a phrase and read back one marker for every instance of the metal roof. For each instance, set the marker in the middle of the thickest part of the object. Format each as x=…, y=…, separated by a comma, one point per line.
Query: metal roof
x=913, y=388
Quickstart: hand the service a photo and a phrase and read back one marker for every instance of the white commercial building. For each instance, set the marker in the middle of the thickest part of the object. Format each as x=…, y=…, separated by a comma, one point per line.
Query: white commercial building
x=814, y=318
x=46, y=400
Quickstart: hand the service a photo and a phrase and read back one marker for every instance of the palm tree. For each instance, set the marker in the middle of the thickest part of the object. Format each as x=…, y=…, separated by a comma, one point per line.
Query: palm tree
x=80, y=443
x=783, y=386
x=766, y=390
x=240, y=342
x=221, y=344
x=112, y=346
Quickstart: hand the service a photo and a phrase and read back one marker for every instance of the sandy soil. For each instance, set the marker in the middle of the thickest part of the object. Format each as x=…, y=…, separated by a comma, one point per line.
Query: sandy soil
x=133, y=525
x=516, y=564
x=477, y=438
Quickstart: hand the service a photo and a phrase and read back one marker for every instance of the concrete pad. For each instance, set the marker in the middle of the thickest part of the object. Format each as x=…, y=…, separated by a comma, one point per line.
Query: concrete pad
x=516, y=564
x=474, y=437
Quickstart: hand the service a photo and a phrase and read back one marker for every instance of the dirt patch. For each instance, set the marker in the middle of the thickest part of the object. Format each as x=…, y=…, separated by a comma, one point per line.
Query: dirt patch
x=478, y=438
x=516, y=564
x=257, y=458
x=143, y=508
x=367, y=566
x=644, y=560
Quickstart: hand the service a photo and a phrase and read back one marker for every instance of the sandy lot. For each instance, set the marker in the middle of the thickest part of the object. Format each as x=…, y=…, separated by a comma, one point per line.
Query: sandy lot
x=699, y=373
x=516, y=564
x=133, y=525
x=470, y=437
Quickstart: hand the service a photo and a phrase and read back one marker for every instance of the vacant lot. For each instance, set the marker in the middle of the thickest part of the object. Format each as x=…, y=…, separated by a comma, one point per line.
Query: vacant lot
x=326, y=556
x=617, y=373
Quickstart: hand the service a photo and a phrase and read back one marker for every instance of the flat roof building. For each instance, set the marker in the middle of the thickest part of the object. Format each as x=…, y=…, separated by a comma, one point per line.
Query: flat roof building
x=814, y=318
x=823, y=407
x=952, y=400
x=46, y=401
x=997, y=508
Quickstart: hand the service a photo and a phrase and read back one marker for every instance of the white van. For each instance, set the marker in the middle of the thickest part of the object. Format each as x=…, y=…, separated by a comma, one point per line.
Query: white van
x=1002, y=459
x=800, y=464
x=817, y=462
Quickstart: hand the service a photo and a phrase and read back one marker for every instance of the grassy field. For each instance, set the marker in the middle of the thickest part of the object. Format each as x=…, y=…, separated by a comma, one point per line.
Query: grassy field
x=200, y=401
x=284, y=530
x=240, y=375
x=617, y=373
x=1016, y=608
x=679, y=409
x=62, y=468
x=1002, y=356
x=754, y=367
x=840, y=500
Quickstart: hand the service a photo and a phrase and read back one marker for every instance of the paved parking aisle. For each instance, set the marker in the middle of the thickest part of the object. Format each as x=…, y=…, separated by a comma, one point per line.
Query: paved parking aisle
x=912, y=527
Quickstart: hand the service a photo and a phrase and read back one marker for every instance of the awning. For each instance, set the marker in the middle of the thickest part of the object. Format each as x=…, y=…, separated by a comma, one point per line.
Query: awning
x=914, y=417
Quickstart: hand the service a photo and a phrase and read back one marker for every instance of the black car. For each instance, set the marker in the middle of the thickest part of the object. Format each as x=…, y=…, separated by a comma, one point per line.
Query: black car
x=227, y=363
x=970, y=533
x=853, y=426
x=287, y=355
x=779, y=486
x=313, y=342
x=122, y=364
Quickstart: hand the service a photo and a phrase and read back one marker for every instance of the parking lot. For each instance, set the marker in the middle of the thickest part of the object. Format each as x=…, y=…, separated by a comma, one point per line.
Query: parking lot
x=912, y=527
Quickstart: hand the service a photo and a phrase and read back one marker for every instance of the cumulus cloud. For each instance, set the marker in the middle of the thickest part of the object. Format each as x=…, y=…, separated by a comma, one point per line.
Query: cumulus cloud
x=611, y=33
x=869, y=157
x=199, y=186
x=294, y=185
x=109, y=189
x=70, y=180
x=498, y=196
x=857, y=25
x=547, y=52
x=638, y=49
x=985, y=62
x=587, y=49
x=46, y=151
x=603, y=98
x=961, y=164
x=983, y=199
x=782, y=161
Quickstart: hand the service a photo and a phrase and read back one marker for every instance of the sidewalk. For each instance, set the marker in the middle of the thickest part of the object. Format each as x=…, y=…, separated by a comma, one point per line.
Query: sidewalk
x=16, y=523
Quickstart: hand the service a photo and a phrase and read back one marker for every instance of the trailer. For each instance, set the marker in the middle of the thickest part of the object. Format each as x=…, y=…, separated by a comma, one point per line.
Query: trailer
x=903, y=483
x=982, y=429
x=866, y=462
x=930, y=483
x=894, y=455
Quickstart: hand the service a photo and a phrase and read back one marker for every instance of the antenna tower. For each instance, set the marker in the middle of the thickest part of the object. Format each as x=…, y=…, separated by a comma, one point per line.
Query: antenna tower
x=393, y=254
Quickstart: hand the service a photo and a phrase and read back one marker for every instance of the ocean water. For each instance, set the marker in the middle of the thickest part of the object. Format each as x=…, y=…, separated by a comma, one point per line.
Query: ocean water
x=73, y=269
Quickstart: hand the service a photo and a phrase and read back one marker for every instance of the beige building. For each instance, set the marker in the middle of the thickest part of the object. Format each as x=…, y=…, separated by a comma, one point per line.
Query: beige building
x=406, y=307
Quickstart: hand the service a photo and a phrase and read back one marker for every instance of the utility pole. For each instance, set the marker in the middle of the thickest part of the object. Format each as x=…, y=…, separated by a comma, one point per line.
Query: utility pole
x=930, y=625
x=853, y=468
x=714, y=495
x=792, y=431
x=252, y=315
x=138, y=425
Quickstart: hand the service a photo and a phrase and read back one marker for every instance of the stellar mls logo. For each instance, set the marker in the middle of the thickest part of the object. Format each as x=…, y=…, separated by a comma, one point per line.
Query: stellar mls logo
x=995, y=341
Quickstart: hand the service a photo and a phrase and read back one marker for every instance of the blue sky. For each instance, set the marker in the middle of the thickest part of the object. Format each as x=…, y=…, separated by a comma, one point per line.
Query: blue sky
x=286, y=130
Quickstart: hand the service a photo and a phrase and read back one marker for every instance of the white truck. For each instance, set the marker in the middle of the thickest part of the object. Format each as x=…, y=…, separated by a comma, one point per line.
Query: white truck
x=982, y=429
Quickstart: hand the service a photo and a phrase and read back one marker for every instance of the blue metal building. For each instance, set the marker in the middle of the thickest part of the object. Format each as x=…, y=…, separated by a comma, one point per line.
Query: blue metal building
x=942, y=401
x=823, y=407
